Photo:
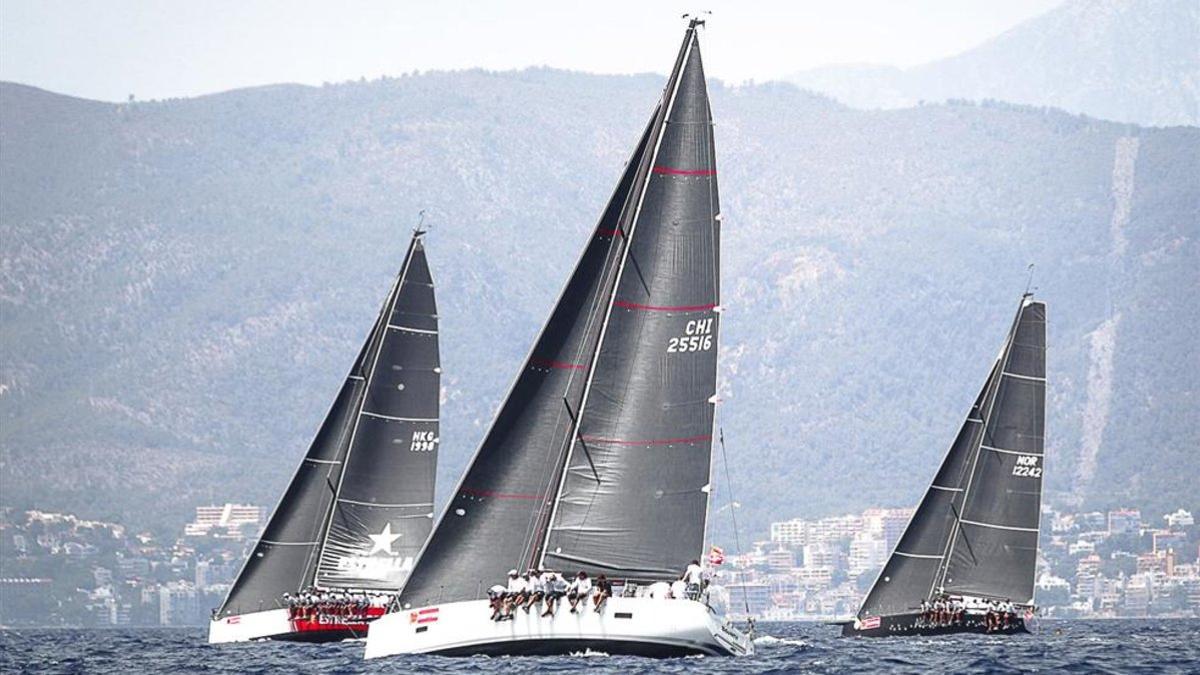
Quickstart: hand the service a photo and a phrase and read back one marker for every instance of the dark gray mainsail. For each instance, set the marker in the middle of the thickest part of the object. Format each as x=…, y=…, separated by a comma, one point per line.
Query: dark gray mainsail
x=993, y=552
x=284, y=560
x=975, y=531
x=384, y=507
x=500, y=512
x=634, y=497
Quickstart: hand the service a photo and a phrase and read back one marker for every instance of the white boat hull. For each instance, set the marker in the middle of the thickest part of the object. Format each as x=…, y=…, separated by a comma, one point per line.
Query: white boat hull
x=252, y=626
x=636, y=626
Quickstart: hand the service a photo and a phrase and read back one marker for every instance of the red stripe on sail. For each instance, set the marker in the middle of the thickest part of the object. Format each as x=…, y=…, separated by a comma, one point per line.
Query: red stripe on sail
x=496, y=495
x=652, y=441
x=671, y=171
x=662, y=308
x=608, y=233
x=561, y=365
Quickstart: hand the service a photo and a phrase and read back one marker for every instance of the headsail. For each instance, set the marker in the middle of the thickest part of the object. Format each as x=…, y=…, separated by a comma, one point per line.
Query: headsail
x=498, y=516
x=635, y=495
x=384, y=507
x=975, y=531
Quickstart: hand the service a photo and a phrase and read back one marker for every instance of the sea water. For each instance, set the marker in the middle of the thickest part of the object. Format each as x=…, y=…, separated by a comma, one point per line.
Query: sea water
x=1118, y=646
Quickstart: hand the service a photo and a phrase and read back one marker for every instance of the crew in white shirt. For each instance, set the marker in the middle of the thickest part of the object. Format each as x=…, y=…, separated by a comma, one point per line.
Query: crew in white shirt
x=579, y=590
x=694, y=577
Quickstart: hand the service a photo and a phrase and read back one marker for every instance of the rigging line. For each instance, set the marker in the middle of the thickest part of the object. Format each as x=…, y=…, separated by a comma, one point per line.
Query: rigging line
x=578, y=437
x=966, y=540
x=737, y=539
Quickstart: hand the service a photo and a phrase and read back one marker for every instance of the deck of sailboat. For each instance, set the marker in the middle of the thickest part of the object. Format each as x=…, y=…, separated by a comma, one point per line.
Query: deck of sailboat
x=900, y=625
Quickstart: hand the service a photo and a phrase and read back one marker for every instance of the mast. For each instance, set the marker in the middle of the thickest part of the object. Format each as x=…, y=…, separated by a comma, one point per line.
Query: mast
x=383, y=508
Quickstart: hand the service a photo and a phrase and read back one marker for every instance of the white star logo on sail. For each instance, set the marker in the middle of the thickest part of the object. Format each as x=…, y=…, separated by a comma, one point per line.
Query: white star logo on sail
x=383, y=540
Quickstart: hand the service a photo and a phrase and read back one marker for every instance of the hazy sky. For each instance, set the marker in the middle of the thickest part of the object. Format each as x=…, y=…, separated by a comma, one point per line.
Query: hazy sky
x=158, y=49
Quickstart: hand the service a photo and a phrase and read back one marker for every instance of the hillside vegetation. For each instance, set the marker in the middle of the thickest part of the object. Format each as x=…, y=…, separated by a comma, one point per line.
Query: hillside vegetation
x=183, y=284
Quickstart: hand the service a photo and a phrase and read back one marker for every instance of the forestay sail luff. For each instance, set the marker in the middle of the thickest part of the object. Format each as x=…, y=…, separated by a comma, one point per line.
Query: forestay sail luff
x=910, y=573
x=284, y=558
x=491, y=522
x=634, y=498
x=994, y=549
x=383, y=510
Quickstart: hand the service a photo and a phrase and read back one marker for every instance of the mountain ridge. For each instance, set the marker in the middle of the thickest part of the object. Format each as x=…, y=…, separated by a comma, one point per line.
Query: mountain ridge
x=1131, y=61
x=185, y=282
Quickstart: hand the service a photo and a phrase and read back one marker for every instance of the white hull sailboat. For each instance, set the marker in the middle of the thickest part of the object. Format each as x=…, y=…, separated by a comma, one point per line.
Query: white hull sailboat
x=598, y=462
x=344, y=535
x=632, y=626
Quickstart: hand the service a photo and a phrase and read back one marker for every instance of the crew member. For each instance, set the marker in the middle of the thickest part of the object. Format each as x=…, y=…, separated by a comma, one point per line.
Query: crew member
x=536, y=591
x=556, y=588
x=603, y=592
x=661, y=590
x=496, y=601
x=516, y=586
x=693, y=576
x=579, y=590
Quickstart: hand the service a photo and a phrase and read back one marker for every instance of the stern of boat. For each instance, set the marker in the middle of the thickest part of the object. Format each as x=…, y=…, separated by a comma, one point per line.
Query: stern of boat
x=246, y=627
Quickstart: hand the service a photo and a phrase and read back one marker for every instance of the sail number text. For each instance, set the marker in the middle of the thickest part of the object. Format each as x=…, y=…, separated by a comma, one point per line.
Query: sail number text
x=697, y=337
x=423, y=441
x=1027, y=466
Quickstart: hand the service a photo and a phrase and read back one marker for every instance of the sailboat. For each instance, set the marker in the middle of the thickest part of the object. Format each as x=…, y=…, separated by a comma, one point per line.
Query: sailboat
x=344, y=536
x=966, y=561
x=599, y=458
